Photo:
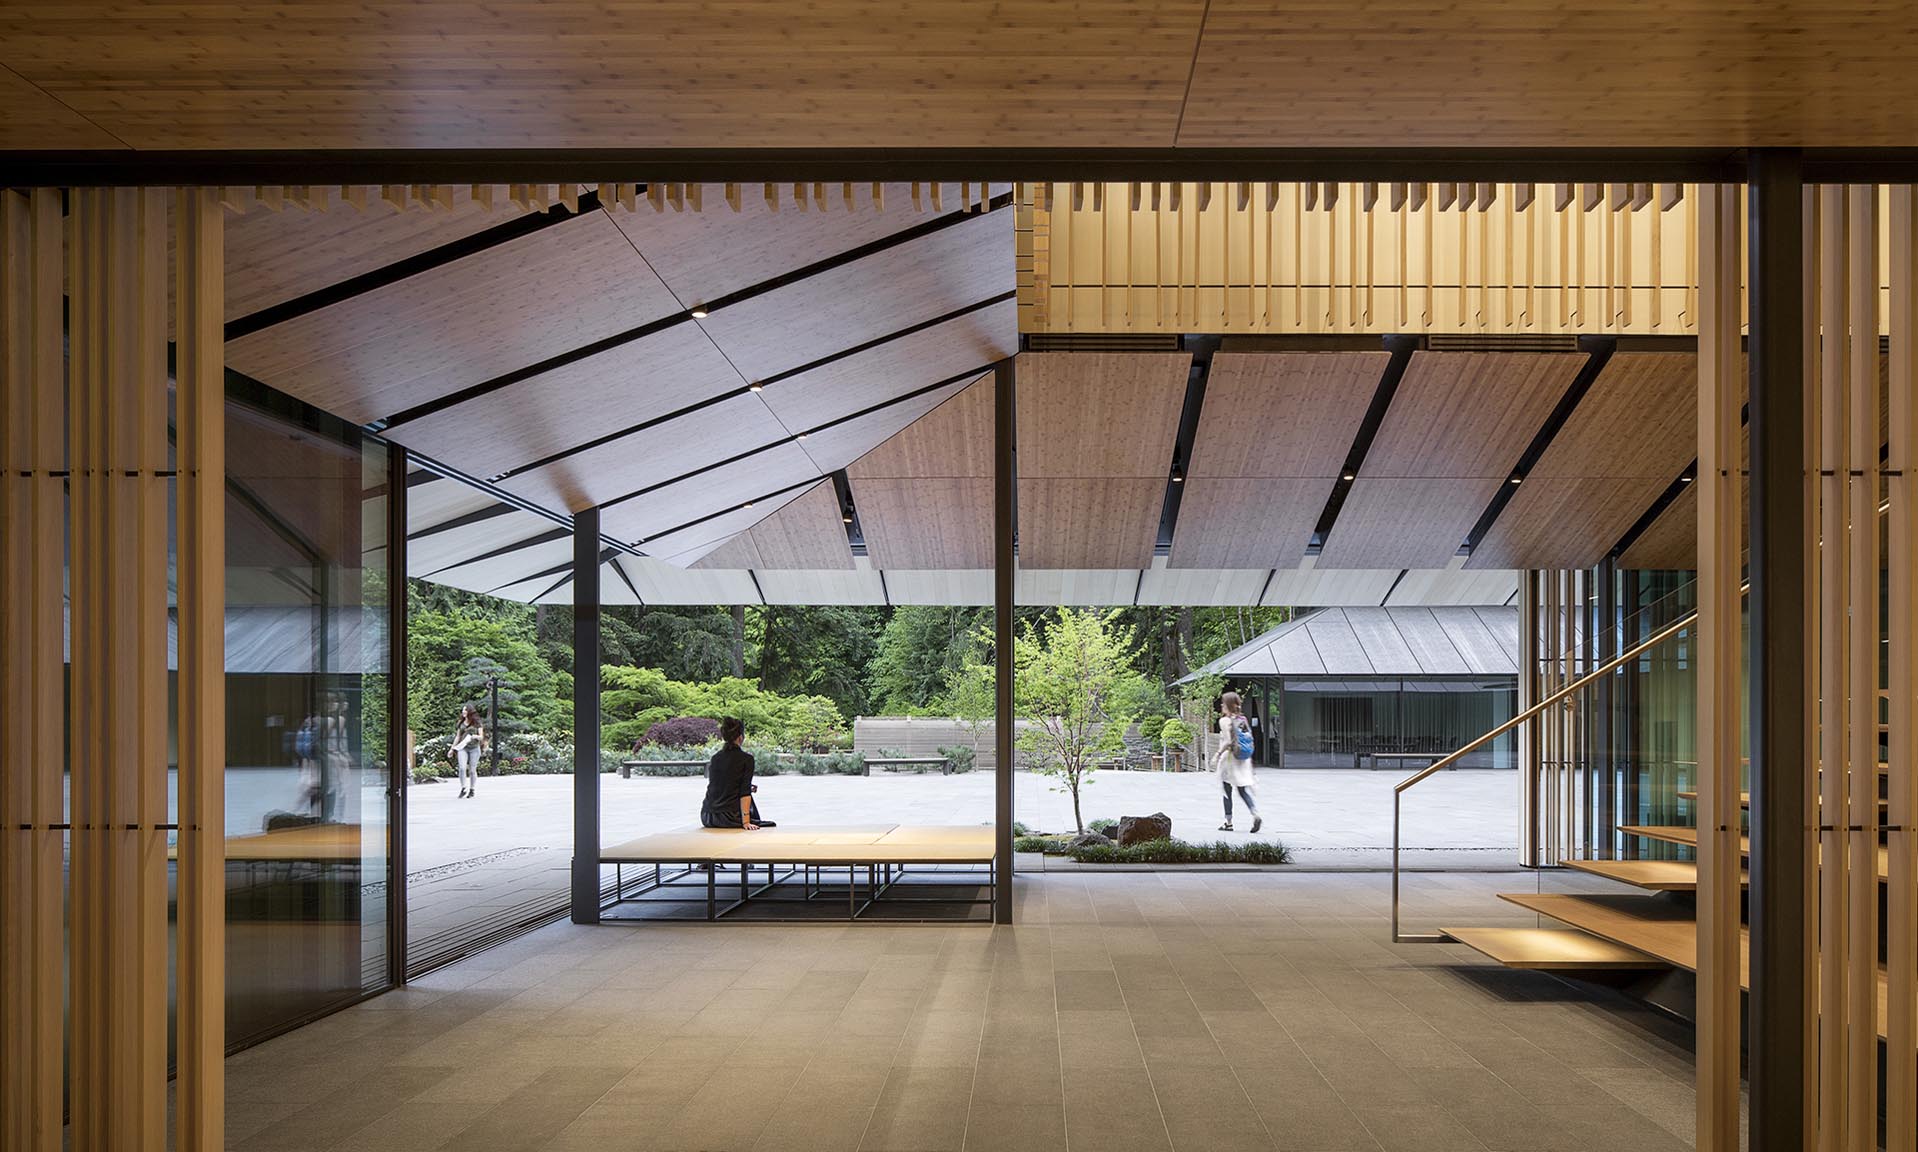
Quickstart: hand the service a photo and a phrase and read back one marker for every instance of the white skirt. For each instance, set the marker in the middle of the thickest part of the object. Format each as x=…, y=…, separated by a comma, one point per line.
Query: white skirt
x=1235, y=772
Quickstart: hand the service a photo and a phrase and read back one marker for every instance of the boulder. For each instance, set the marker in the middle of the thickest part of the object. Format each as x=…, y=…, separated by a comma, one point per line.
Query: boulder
x=1139, y=829
x=1090, y=840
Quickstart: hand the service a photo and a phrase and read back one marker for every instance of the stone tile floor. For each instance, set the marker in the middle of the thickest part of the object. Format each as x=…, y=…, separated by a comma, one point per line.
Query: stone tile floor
x=1164, y=1010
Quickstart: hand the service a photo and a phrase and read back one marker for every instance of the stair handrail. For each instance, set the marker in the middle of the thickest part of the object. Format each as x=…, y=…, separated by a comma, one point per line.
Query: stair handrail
x=1450, y=758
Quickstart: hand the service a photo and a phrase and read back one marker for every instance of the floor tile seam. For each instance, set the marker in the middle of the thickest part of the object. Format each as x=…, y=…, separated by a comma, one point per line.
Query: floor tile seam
x=919, y=999
x=972, y=1089
x=1204, y=1023
x=1151, y=1084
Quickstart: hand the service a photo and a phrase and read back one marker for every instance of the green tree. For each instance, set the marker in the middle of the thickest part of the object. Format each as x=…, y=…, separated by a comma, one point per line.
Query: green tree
x=440, y=644
x=917, y=650
x=1073, y=683
x=815, y=651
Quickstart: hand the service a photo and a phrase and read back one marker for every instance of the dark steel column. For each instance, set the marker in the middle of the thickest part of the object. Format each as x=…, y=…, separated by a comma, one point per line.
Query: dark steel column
x=399, y=742
x=1004, y=523
x=1605, y=731
x=1776, y=1024
x=586, y=716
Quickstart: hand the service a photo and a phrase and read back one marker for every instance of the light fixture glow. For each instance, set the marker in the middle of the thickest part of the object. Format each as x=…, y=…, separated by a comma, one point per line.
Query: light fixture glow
x=1684, y=479
x=755, y=386
x=699, y=312
x=1518, y=479
x=1178, y=475
x=1349, y=476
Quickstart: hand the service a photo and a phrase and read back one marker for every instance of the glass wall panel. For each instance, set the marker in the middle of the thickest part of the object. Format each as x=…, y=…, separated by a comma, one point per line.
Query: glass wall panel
x=1350, y=723
x=306, y=668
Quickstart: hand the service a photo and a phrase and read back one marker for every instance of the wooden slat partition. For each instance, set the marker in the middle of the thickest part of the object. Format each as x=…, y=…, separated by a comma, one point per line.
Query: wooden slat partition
x=1901, y=902
x=200, y=1105
x=1721, y=394
x=118, y=455
x=32, y=458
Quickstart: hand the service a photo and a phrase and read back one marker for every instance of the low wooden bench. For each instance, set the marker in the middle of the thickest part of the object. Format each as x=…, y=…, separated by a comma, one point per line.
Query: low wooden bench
x=884, y=851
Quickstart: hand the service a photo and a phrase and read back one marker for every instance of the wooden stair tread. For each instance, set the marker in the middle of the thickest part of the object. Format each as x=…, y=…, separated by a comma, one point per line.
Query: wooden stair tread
x=1551, y=949
x=1652, y=925
x=1687, y=836
x=1652, y=875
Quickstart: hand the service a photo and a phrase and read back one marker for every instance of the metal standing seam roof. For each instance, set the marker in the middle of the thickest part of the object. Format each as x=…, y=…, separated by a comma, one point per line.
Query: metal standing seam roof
x=1368, y=642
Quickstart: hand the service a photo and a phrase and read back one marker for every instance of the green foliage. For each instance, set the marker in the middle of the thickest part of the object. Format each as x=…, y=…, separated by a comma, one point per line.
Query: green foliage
x=1176, y=733
x=918, y=650
x=1048, y=844
x=634, y=699
x=815, y=651
x=1073, y=683
x=1105, y=827
x=1180, y=852
x=447, y=649
x=961, y=757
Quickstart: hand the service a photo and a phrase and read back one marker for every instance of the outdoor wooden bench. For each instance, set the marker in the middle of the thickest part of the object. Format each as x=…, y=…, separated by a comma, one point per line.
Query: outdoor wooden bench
x=796, y=863
x=945, y=765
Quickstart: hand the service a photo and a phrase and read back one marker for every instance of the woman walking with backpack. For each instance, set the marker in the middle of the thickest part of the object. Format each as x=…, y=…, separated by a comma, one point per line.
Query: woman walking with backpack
x=1234, y=760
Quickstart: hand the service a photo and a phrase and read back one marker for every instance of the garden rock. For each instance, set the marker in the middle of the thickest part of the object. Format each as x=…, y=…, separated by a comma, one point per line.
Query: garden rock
x=1089, y=840
x=1139, y=829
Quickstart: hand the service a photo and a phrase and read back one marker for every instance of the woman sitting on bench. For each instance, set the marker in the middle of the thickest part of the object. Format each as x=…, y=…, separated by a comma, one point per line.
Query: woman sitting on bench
x=729, y=783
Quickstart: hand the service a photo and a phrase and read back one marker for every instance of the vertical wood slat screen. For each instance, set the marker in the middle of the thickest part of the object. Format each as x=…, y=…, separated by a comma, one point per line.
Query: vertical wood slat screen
x=1901, y=904
x=1721, y=393
x=200, y=295
x=84, y=463
x=32, y=463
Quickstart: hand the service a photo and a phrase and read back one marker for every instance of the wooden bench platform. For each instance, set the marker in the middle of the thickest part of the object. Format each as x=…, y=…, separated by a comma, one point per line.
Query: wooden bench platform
x=1552, y=949
x=806, y=855
x=1651, y=875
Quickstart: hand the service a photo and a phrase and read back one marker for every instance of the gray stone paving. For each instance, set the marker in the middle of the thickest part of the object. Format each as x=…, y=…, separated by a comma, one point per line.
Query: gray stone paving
x=1160, y=1011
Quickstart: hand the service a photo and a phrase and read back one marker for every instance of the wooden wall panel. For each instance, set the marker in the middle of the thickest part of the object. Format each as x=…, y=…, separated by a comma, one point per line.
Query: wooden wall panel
x=478, y=318
x=927, y=522
x=1254, y=523
x=657, y=455
x=1088, y=522
x=32, y=685
x=1283, y=413
x=562, y=409
x=868, y=298
x=1461, y=415
x=705, y=255
x=857, y=382
x=1396, y=523
x=1099, y=414
x=955, y=439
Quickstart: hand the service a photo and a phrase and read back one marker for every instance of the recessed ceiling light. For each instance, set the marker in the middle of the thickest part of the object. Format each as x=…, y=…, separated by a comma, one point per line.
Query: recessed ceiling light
x=1684, y=479
x=846, y=516
x=1518, y=479
x=1349, y=476
x=755, y=386
x=800, y=436
x=699, y=312
x=1178, y=475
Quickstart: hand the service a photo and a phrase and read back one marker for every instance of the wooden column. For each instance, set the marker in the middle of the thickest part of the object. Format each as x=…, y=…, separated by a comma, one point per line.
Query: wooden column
x=1721, y=394
x=200, y=414
x=1901, y=904
x=32, y=467
x=117, y=452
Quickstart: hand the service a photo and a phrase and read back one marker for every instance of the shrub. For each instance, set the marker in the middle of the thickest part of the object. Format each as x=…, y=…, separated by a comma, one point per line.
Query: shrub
x=1019, y=829
x=1180, y=852
x=815, y=763
x=961, y=757
x=1105, y=827
x=682, y=730
x=1046, y=844
x=1176, y=733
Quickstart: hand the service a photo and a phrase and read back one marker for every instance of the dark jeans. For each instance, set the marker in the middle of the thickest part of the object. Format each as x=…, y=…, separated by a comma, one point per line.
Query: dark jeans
x=1245, y=794
x=726, y=816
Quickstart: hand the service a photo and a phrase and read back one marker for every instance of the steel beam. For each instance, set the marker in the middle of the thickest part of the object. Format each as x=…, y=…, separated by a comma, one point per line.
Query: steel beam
x=586, y=560
x=1004, y=526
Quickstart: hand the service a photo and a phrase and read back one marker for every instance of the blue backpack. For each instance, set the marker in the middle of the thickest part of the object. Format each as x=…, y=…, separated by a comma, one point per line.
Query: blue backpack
x=1244, y=750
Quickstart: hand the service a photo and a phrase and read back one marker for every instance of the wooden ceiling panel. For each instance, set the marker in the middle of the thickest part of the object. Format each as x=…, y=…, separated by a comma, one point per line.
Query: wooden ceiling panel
x=875, y=376
x=29, y=118
x=738, y=552
x=494, y=572
x=654, y=456
x=939, y=522
x=1462, y=415
x=458, y=545
x=1255, y=523
x=1088, y=523
x=562, y=409
x=462, y=324
x=1565, y=522
x=679, y=502
x=1639, y=420
x=1396, y=523
x=687, y=545
x=707, y=254
x=439, y=499
x=273, y=257
x=755, y=73
x=843, y=444
x=807, y=533
x=953, y=440
x=1691, y=72
x=868, y=298
x=1671, y=541
x=1283, y=413
x=1099, y=414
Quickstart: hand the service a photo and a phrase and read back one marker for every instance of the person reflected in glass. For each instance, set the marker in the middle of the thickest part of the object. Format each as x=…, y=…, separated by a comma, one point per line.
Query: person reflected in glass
x=729, y=783
x=1234, y=760
x=468, y=741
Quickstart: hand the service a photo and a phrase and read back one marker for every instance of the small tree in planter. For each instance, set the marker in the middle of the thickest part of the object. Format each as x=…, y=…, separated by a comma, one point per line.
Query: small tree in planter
x=1175, y=733
x=1071, y=683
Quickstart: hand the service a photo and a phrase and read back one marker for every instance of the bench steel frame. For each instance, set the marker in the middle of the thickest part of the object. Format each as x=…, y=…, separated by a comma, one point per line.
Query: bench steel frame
x=882, y=877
